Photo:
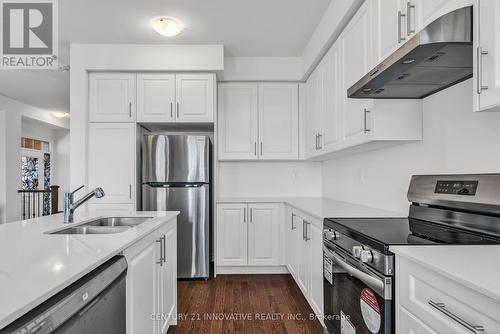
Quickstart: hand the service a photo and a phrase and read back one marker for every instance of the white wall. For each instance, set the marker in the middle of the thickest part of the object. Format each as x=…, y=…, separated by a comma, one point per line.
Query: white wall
x=273, y=179
x=456, y=140
x=60, y=167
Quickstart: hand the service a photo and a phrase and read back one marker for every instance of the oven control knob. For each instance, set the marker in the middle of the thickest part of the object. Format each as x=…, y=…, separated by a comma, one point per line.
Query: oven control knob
x=330, y=235
x=366, y=256
x=356, y=251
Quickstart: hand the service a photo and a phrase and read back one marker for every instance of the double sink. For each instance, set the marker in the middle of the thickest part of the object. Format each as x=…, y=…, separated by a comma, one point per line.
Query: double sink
x=106, y=225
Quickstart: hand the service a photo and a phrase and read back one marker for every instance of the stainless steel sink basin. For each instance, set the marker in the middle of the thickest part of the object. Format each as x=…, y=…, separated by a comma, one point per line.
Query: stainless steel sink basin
x=93, y=230
x=106, y=225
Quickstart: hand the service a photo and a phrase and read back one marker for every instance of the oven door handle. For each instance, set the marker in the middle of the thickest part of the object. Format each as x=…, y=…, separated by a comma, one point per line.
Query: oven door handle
x=375, y=283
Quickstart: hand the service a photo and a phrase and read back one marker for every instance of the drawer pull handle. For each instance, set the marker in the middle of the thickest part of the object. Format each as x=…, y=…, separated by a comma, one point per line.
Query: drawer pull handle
x=441, y=307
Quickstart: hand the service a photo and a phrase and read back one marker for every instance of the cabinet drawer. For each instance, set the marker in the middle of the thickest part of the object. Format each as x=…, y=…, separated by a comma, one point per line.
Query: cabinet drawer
x=409, y=324
x=443, y=304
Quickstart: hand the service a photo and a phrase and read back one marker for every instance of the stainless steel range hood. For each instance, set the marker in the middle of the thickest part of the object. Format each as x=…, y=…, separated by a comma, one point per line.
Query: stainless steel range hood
x=439, y=56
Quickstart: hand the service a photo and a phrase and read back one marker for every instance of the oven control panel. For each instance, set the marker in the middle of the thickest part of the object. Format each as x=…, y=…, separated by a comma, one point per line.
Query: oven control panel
x=467, y=188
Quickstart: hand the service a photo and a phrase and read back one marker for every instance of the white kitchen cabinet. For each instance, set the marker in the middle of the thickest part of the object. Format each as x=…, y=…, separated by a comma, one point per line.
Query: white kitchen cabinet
x=112, y=97
x=263, y=234
x=357, y=60
x=232, y=234
x=330, y=133
x=305, y=244
x=424, y=12
x=238, y=121
x=152, y=282
x=195, y=97
x=155, y=97
x=434, y=299
x=304, y=260
x=314, y=125
x=258, y=121
x=315, y=242
x=111, y=161
x=278, y=121
x=487, y=57
x=292, y=243
x=168, y=281
x=410, y=324
x=142, y=287
x=389, y=27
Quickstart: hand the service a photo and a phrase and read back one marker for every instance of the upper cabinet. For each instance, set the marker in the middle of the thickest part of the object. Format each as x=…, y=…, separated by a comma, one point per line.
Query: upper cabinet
x=161, y=97
x=155, y=97
x=334, y=122
x=195, y=97
x=258, y=121
x=112, y=97
x=388, y=25
x=487, y=57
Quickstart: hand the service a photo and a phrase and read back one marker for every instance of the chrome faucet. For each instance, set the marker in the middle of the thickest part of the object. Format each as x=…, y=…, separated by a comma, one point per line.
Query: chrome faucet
x=70, y=207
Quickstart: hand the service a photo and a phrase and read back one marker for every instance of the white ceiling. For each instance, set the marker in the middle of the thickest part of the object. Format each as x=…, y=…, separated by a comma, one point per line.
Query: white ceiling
x=247, y=28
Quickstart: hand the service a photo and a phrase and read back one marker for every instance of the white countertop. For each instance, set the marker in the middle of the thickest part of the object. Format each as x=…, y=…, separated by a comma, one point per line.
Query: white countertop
x=319, y=207
x=474, y=266
x=34, y=265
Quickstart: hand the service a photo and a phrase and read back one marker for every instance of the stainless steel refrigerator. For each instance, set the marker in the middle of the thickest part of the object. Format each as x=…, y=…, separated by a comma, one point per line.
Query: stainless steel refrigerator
x=176, y=177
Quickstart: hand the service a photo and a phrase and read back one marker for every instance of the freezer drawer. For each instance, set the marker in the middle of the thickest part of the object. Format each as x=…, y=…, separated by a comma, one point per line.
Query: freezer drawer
x=193, y=224
x=175, y=158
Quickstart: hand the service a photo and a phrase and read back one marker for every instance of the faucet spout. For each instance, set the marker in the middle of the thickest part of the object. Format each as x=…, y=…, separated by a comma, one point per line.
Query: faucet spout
x=70, y=207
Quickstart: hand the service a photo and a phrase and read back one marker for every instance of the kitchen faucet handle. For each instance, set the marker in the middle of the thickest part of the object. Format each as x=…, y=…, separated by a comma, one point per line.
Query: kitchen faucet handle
x=74, y=191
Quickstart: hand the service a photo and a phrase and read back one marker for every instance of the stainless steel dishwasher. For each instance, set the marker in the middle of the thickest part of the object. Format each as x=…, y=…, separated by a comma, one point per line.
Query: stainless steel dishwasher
x=94, y=304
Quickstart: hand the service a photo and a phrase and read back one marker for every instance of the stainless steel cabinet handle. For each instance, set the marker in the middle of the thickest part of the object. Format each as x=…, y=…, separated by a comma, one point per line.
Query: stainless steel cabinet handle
x=317, y=136
x=260, y=148
x=441, y=307
x=365, y=120
x=320, y=141
x=303, y=230
x=306, y=238
x=130, y=109
x=171, y=110
x=164, y=237
x=244, y=215
x=409, y=29
x=255, y=148
x=160, y=261
x=479, y=60
x=251, y=215
x=400, y=27
x=178, y=109
x=293, y=226
x=130, y=191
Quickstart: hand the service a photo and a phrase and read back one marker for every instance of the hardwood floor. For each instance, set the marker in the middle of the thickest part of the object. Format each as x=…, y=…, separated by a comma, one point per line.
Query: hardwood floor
x=250, y=304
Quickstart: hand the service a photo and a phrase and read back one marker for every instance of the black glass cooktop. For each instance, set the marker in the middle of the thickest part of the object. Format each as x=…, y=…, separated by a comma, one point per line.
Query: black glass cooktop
x=380, y=233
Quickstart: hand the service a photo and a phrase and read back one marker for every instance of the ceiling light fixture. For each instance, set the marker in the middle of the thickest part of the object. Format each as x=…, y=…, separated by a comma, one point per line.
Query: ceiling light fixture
x=166, y=26
x=60, y=114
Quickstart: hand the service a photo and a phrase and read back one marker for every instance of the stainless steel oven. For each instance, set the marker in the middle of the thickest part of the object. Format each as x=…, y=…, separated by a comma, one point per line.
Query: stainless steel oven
x=357, y=297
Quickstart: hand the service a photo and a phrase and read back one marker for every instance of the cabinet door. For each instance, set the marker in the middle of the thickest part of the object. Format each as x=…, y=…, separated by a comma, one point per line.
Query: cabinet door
x=356, y=58
x=489, y=43
x=111, y=161
x=389, y=27
x=155, y=97
x=142, y=290
x=195, y=94
x=423, y=12
x=332, y=96
x=279, y=121
x=292, y=243
x=314, y=109
x=315, y=236
x=168, y=284
x=237, y=123
x=304, y=259
x=264, y=234
x=408, y=323
x=112, y=97
x=232, y=234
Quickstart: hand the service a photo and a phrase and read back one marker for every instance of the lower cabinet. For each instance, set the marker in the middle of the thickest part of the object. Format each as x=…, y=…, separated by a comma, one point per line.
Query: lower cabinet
x=248, y=234
x=151, y=283
x=428, y=302
x=304, y=249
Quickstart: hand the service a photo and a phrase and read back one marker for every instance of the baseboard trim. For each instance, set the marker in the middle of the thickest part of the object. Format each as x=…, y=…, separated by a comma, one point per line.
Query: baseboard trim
x=228, y=270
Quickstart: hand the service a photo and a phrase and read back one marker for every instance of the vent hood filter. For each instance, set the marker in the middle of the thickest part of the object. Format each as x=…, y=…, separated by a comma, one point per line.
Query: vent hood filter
x=440, y=56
